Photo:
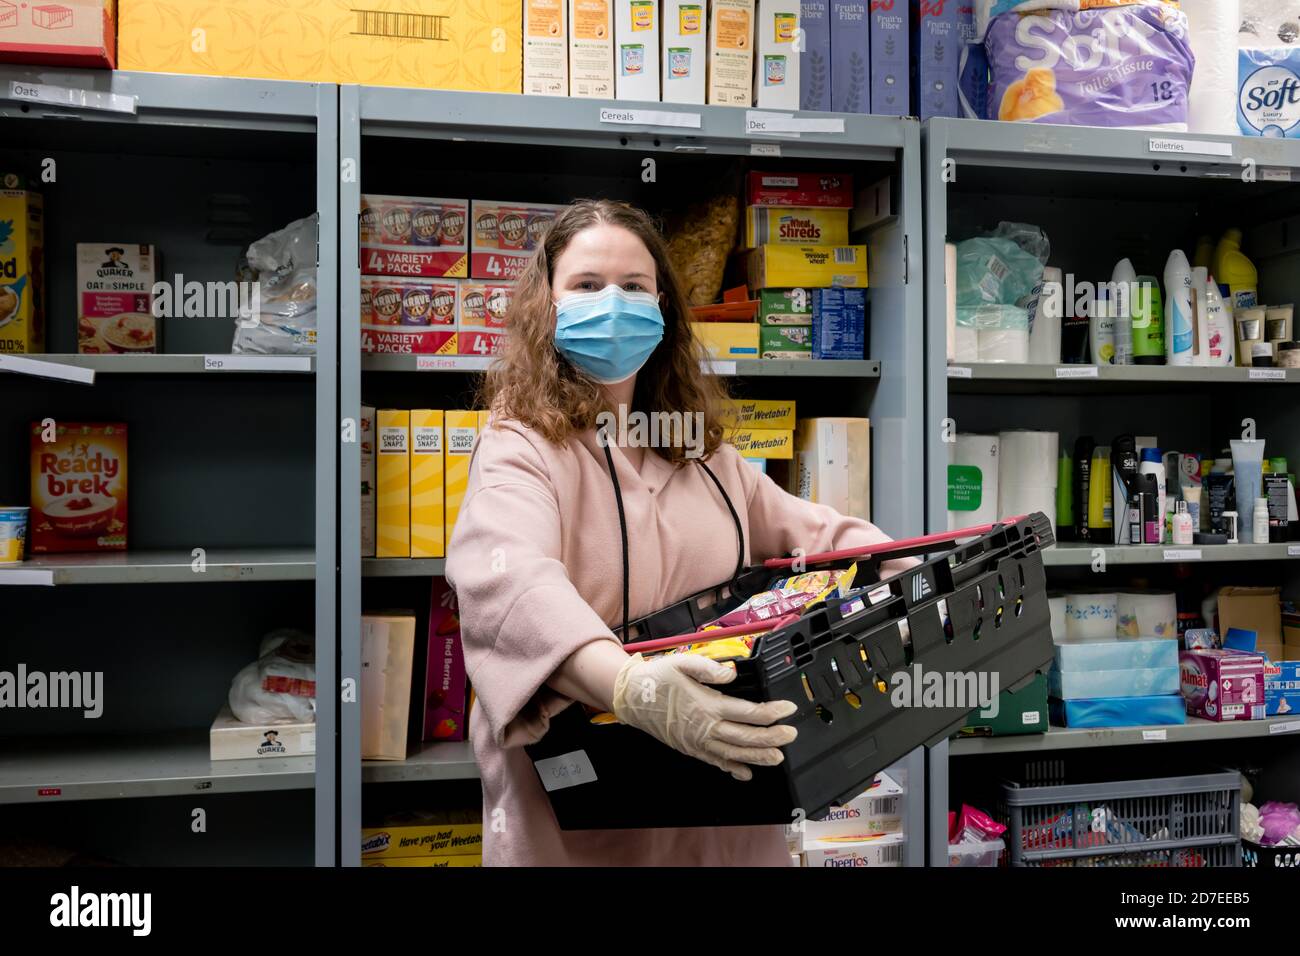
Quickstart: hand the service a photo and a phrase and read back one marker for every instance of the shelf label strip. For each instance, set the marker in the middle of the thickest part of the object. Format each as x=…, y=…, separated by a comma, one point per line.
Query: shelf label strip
x=27, y=576
x=77, y=99
x=650, y=118
x=1182, y=555
x=256, y=363
x=1077, y=371
x=65, y=373
x=1293, y=550
x=1190, y=147
x=716, y=367
x=1285, y=727
x=958, y=371
x=1268, y=375
x=787, y=124
x=432, y=363
x=1155, y=735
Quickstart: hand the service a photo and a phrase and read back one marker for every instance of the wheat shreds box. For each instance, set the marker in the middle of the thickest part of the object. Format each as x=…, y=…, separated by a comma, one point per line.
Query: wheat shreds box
x=78, y=487
x=414, y=236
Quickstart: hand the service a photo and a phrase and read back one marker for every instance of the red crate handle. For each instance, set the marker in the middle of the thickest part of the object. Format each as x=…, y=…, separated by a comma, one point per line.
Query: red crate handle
x=703, y=637
x=889, y=547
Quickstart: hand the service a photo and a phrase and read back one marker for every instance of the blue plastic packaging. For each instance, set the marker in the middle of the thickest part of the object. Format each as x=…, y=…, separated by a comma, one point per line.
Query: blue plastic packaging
x=1117, y=655
x=1119, y=711
x=1128, y=682
x=839, y=326
x=1268, y=93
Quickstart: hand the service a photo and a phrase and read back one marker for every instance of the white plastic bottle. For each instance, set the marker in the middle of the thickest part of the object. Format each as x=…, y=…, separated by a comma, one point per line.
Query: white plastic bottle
x=1200, y=317
x=1101, y=331
x=1223, y=337
x=1178, y=309
x=1182, y=531
x=1124, y=289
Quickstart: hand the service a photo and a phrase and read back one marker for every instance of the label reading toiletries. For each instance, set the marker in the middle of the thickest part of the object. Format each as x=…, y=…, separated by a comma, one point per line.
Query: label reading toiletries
x=958, y=371
x=1268, y=375
x=1077, y=371
x=1190, y=147
x=1154, y=735
x=567, y=770
x=1182, y=555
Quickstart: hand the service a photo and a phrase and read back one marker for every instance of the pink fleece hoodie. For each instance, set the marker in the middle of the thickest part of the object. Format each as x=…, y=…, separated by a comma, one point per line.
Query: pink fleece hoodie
x=536, y=562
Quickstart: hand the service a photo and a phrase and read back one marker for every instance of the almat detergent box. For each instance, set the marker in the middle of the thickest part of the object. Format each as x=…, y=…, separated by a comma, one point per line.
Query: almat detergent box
x=413, y=236
x=462, y=431
x=393, y=484
x=427, y=512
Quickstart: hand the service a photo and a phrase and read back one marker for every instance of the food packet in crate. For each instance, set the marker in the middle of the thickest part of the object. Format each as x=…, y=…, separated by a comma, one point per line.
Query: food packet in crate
x=792, y=595
x=280, y=318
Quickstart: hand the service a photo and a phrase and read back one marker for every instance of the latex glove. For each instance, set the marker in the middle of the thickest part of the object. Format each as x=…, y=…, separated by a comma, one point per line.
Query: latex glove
x=667, y=698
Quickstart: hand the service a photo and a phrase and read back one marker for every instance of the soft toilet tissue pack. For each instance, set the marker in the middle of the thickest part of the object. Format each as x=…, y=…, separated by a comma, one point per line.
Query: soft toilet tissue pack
x=972, y=481
x=1268, y=70
x=1213, y=26
x=1147, y=614
x=1028, y=473
x=1091, y=617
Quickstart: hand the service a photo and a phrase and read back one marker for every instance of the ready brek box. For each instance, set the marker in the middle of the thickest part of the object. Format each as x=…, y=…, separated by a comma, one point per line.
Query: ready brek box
x=78, y=487
x=414, y=236
x=505, y=235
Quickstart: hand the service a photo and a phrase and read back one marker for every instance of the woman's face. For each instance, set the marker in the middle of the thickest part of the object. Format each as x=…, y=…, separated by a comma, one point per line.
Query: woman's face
x=603, y=255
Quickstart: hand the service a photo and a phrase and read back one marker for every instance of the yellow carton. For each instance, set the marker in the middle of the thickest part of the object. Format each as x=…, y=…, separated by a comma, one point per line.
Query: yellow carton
x=22, y=299
x=427, y=530
x=775, y=266
x=422, y=842
x=728, y=340
x=758, y=413
x=440, y=44
x=393, y=481
x=762, y=442
x=795, y=226
x=428, y=861
x=462, y=430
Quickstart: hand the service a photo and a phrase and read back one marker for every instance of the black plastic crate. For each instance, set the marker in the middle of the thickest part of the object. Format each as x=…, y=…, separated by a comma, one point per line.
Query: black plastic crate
x=978, y=606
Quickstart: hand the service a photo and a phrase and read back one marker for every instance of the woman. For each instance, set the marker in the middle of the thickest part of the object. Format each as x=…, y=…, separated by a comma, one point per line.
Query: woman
x=563, y=535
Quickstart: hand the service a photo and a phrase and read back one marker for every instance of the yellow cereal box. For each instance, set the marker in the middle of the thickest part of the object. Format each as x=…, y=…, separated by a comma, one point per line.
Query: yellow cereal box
x=22, y=268
x=462, y=429
x=393, y=481
x=439, y=839
x=776, y=266
x=727, y=340
x=78, y=487
x=428, y=861
x=795, y=226
x=438, y=44
x=762, y=442
x=758, y=413
x=426, y=484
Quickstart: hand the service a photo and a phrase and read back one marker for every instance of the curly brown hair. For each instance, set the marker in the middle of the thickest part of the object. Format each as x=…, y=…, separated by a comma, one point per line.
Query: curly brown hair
x=533, y=384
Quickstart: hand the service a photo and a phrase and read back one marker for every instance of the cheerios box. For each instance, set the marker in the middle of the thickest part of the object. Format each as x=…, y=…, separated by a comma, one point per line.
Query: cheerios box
x=877, y=810
x=79, y=491
x=22, y=267
x=505, y=235
x=414, y=236
x=880, y=850
x=440, y=839
x=115, y=313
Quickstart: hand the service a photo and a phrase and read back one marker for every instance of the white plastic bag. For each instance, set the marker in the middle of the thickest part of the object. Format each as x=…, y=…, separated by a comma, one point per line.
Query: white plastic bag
x=283, y=321
x=280, y=686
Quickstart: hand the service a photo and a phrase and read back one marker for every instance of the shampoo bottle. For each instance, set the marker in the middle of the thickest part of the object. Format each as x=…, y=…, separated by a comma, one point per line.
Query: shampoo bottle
x=1153, y=465
x=1100, y=501
x=1182, y=532
x=1065, y=497
x=1233, y=268
x=1124, y=472
x=1178, y=310
x=1148, y=323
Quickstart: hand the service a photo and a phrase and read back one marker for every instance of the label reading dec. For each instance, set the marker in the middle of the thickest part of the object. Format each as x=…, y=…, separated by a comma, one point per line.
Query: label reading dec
x=567, y=770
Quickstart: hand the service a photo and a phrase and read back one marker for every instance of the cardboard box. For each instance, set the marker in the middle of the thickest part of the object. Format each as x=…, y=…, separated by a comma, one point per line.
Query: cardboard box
x=546, y=47
x=728, y=340
x=839, y=328
x=462, y=431
x=785, y=342
x=427, y=861
x=1281, y=688
x=232, y=739
x=393, y=484
x=446, y=707
x=433, y=44
x=823, y=190
x=776, y=61
x=368, y=477
x=591, y=48
x=850, y=56
x=22, y=268
x=75, y=33
x=890, y=58
x=1222, y=685
x=820, y=266
x=757, y=413
x=387, y=651
x=875, y=203
x=761, y=442
x=815, y=67
x=414, y=237
x=115, y=284
x=802, y=226
x=832, y=464
x=505, y=235
x=685, y=52
x=427, y=530
x=79, y=488
x=731, y=53
x=939, y=34
x=884, y=850
x=421, y=842
x=483, y=307
x=1252, y=609
x=636, y=50
x=876, y=811
x=409, y=316
x=785, y=306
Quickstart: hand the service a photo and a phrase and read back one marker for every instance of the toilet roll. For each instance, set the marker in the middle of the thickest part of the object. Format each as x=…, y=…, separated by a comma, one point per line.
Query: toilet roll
x=1045, y=337
x=1212, y=100
x=950, y=286
x=1146, y=614
x=1009, y=346
x=972, y=481
x=1091, y=617
x=1026, y=499
x=1028, y=458
x=966, y=346
x=1056, y=605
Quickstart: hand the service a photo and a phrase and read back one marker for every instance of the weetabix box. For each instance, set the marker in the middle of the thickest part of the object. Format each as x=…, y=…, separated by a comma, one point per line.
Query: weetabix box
x=591, y=49
x=462, y=430
x=636, y=49
x=76, y=33
x=414, y=237
x=758, y=413
x=79, y=487
x=435, y=840
x=685, y=51
x=22, y=268
x=731, y=53
x=776, y=61
x=546, y=47
x=409, y=316
x=815, y=71
x=393, y=484
x=890, y=55
x=506, y=236
x=427, y=512
x=433, y=44
x=850, y=56
x=762, y=442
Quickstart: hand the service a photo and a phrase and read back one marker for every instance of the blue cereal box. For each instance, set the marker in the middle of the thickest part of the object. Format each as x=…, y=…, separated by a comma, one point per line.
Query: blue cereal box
x=890, y=56
x=815, y=70
x=850, y=56
x=839, y=329
x=940, y=30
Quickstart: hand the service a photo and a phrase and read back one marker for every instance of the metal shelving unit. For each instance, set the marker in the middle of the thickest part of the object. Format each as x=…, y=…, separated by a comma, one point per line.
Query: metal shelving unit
x=1065, y=179
x=180, y=153
x=379, y=126
x=430, y=761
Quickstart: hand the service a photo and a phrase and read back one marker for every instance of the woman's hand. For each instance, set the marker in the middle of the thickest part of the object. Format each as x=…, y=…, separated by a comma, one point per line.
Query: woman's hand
x=667, y=698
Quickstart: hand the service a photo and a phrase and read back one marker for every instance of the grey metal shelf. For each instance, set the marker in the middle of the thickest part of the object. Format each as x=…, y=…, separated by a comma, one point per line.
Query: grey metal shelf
x=976, y=377
x=42, y=770
x=743, y=368
x=164, y=567
x=1063, y=738
x=157, y=364
x=447, y=760
x=1081, y=555
x=403, y=567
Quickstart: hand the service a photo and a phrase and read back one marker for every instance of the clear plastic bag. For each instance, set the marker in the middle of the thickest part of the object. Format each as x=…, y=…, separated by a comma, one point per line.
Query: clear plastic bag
x=283, y=319
x=280, y=686
x=1003, y=268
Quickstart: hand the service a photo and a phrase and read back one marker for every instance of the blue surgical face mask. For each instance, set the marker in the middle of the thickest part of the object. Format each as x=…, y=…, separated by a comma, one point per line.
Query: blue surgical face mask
x=608, y=334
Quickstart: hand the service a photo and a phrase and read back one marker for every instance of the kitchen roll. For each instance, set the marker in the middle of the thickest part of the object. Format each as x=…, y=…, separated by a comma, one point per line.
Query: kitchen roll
x=967, y=345
x=1028, y=458
x=1212, y=100
x=1056, y=606
x=1003, y=346
x=1045, y=337
x=1091, y=617
x=972, y=481
x=1026, y=499
x=950, y=286
x=1146, y=614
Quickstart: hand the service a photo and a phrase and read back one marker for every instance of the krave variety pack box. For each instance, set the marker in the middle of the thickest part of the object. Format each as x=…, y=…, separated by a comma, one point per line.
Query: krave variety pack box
x=483, y=307
x=409, y=316
x=414, y=236
x=505, y=235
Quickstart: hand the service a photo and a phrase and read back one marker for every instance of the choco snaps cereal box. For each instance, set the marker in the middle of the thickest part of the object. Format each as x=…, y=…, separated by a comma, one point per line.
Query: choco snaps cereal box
x=409, y=316
x=413, y=236
x=78, y=487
